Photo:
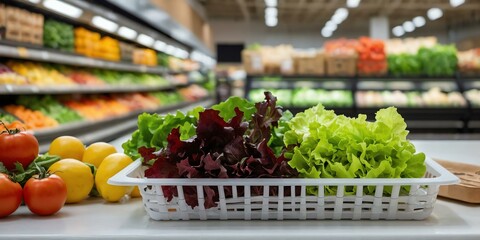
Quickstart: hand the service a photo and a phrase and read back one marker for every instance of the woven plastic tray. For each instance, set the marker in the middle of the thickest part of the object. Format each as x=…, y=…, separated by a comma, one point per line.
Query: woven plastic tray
x=291, y=200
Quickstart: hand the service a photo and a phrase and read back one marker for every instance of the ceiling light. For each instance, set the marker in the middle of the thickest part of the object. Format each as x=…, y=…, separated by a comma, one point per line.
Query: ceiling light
x=271, y=3
x=419, y=21
x=34, y=1
x=353, y=3
x=326, y=33
x=145, y=40
x=271, y=11
x=104, y=24
x=456, y=3
x=398, y=31
x=434, y=13
x=408, y=26
x=271, y=22
x=63, y=8
x=180, y=53
x=127, y=33
x=330, y=24
x=330, y=28
x=160, y=46
x=340, y=15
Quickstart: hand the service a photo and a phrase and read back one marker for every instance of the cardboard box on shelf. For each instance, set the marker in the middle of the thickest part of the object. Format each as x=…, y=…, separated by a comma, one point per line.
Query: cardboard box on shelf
x=341, y=65
x=252, y=62
x=310, y=64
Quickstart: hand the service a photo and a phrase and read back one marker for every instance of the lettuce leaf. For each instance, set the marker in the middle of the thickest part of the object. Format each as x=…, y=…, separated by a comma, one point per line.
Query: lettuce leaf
x=321, y=144
x=153, y=130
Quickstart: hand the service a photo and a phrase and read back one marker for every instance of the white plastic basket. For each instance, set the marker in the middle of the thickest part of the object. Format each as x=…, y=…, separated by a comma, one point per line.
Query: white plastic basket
x=418, y=204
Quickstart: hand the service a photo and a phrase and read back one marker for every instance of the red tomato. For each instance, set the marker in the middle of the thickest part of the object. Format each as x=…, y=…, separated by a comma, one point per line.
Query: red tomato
x=45, y=196
x=17, y=146
x=10, y=195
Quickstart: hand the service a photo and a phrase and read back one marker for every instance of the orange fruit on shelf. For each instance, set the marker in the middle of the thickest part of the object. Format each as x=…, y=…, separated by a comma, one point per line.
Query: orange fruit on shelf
x=67, y=147
x=96, y=152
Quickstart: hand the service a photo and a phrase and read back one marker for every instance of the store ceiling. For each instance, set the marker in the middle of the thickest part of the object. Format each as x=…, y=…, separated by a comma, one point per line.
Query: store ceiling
x=317, y=12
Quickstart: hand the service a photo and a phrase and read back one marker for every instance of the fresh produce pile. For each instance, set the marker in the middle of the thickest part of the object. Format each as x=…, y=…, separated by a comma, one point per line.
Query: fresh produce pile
x=32, y=119
x=404, y=64
x=440, y=60
x=371, y=57
x=42, y=74
x=39, y=74
x=58, y=35
x=69, y=173
x=7, y=76
x=432, y=98
x=92, y=44
x=50, y=107
x=307, y=97
x=469, y=61
x=145, y=56
x=473, y=95
x=193, y=93
x=242, y=139
x=335, y=146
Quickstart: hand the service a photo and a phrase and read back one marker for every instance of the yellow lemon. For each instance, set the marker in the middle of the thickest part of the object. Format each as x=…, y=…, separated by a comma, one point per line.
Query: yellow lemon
x=96, y=152
x=67, y=147
x=77, y=176
x=110, y=166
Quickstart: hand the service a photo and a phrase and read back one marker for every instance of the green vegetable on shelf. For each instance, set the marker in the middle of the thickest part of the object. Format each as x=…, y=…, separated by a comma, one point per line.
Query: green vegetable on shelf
x=58, y=35
x=404, y=65
x=440, y=60
x=322, y=144
x=50, y=107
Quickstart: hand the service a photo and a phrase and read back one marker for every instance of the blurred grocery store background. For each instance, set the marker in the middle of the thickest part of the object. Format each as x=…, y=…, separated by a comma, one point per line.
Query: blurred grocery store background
x=88, y=68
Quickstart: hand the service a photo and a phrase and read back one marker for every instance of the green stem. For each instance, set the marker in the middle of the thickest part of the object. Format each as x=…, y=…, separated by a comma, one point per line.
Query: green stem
x=41, y=171
x=11, y=132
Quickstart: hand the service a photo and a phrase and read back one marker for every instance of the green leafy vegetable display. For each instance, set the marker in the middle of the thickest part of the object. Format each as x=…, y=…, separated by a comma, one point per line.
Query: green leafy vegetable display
x=331, y=146
x=404, y=65
x=440, y=60
x=50, y=107
x=58, y=35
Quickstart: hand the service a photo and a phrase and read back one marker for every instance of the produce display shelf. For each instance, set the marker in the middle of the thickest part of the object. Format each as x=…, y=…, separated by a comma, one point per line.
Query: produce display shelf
x=299, y=77
x=423, y=113
x=111, y=128
x=17, y=50
x=347, y=111
x=78, y=89
x=327, y=85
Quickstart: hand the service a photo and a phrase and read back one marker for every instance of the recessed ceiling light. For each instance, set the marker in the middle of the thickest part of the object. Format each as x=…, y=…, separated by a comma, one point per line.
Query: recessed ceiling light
x=271, y=22
x=408, y=26
x=434, y=13
x=326, y=33
x=271, y=11
x=330, y=24
x=456, y=3
x=419, y=21
x=170, y=49
x=340, y=15
x=330, y=28
x=353, y=3
x=398, y=31
x=271, y=3
x=34, y=1
x=63, y=8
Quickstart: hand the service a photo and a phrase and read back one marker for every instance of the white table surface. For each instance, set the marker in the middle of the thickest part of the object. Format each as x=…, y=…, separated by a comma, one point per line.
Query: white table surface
x=98, y=220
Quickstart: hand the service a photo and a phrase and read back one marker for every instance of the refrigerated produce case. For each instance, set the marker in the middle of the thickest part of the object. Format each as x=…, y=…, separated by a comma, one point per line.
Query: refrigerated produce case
x=96, y=77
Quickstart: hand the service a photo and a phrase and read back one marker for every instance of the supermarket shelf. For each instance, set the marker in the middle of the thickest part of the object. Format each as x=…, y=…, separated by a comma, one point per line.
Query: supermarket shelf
x=347, y=111
x=424, y=113
x=108, y=129
x=79, y=89
x=296, y=77
x=28, y=52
